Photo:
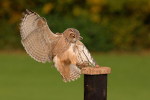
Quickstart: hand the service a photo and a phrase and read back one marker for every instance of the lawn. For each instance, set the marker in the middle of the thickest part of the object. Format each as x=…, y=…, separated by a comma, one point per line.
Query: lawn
x=22, y=78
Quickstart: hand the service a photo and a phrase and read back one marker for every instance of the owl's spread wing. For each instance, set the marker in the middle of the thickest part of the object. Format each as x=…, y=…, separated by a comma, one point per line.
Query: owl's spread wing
x=83, y=55
x=36, y=36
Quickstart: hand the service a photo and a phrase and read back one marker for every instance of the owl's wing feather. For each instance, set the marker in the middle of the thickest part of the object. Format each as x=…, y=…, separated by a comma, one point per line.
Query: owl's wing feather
x=83, y=55
x=74, y=73
x=36, y=36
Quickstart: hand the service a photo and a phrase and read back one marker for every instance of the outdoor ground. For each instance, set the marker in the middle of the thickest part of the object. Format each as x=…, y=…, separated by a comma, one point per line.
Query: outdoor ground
x=22, y=78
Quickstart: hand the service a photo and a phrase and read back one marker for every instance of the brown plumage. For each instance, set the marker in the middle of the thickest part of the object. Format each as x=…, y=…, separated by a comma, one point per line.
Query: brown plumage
x=65, y=49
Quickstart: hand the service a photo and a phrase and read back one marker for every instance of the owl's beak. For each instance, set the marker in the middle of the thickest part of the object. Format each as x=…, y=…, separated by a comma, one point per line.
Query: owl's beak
x=80, y=37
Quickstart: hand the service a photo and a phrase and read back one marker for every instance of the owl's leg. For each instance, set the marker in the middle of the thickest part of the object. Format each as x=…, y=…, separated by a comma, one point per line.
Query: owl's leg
x=60, y=65
x=66, y=70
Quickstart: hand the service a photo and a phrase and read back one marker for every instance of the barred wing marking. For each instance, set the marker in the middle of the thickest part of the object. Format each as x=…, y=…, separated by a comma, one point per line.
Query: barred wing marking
x=36, y=36
x=36, y=47
x=74, y=73
x=83, y=55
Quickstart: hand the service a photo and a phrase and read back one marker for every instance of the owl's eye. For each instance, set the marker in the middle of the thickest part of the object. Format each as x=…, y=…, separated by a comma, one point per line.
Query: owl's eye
x=72, y=35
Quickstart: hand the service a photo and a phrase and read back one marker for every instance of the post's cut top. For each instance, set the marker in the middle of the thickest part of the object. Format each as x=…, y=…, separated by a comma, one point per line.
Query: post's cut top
x=96, y=70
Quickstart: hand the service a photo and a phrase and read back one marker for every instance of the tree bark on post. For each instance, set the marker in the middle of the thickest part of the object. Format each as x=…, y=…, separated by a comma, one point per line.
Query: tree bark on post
x=95, y=83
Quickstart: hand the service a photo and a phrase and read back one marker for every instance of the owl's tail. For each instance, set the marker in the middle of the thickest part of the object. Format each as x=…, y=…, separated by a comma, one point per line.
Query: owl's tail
x=74, y=73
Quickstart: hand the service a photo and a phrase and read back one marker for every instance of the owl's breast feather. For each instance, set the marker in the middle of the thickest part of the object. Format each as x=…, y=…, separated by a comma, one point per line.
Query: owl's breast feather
x=68, y=55
x=71, y=54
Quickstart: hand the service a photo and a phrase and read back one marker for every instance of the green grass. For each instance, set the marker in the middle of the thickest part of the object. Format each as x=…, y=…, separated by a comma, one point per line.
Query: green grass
x=22, y=78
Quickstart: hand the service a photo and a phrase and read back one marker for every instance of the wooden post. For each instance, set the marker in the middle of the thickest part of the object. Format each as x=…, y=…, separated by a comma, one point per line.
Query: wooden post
x=95, y=83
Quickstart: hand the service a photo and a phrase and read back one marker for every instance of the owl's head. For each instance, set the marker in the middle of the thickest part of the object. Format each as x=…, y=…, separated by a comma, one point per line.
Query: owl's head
x=72, y=35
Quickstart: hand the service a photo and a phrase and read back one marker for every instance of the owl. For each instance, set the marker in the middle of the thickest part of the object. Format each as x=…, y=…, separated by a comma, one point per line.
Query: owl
x=64, y=49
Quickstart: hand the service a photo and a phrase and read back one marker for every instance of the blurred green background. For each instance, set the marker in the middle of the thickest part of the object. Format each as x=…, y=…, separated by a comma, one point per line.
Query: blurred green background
x=117, y=32
x=105, y=24
x=22, y=78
